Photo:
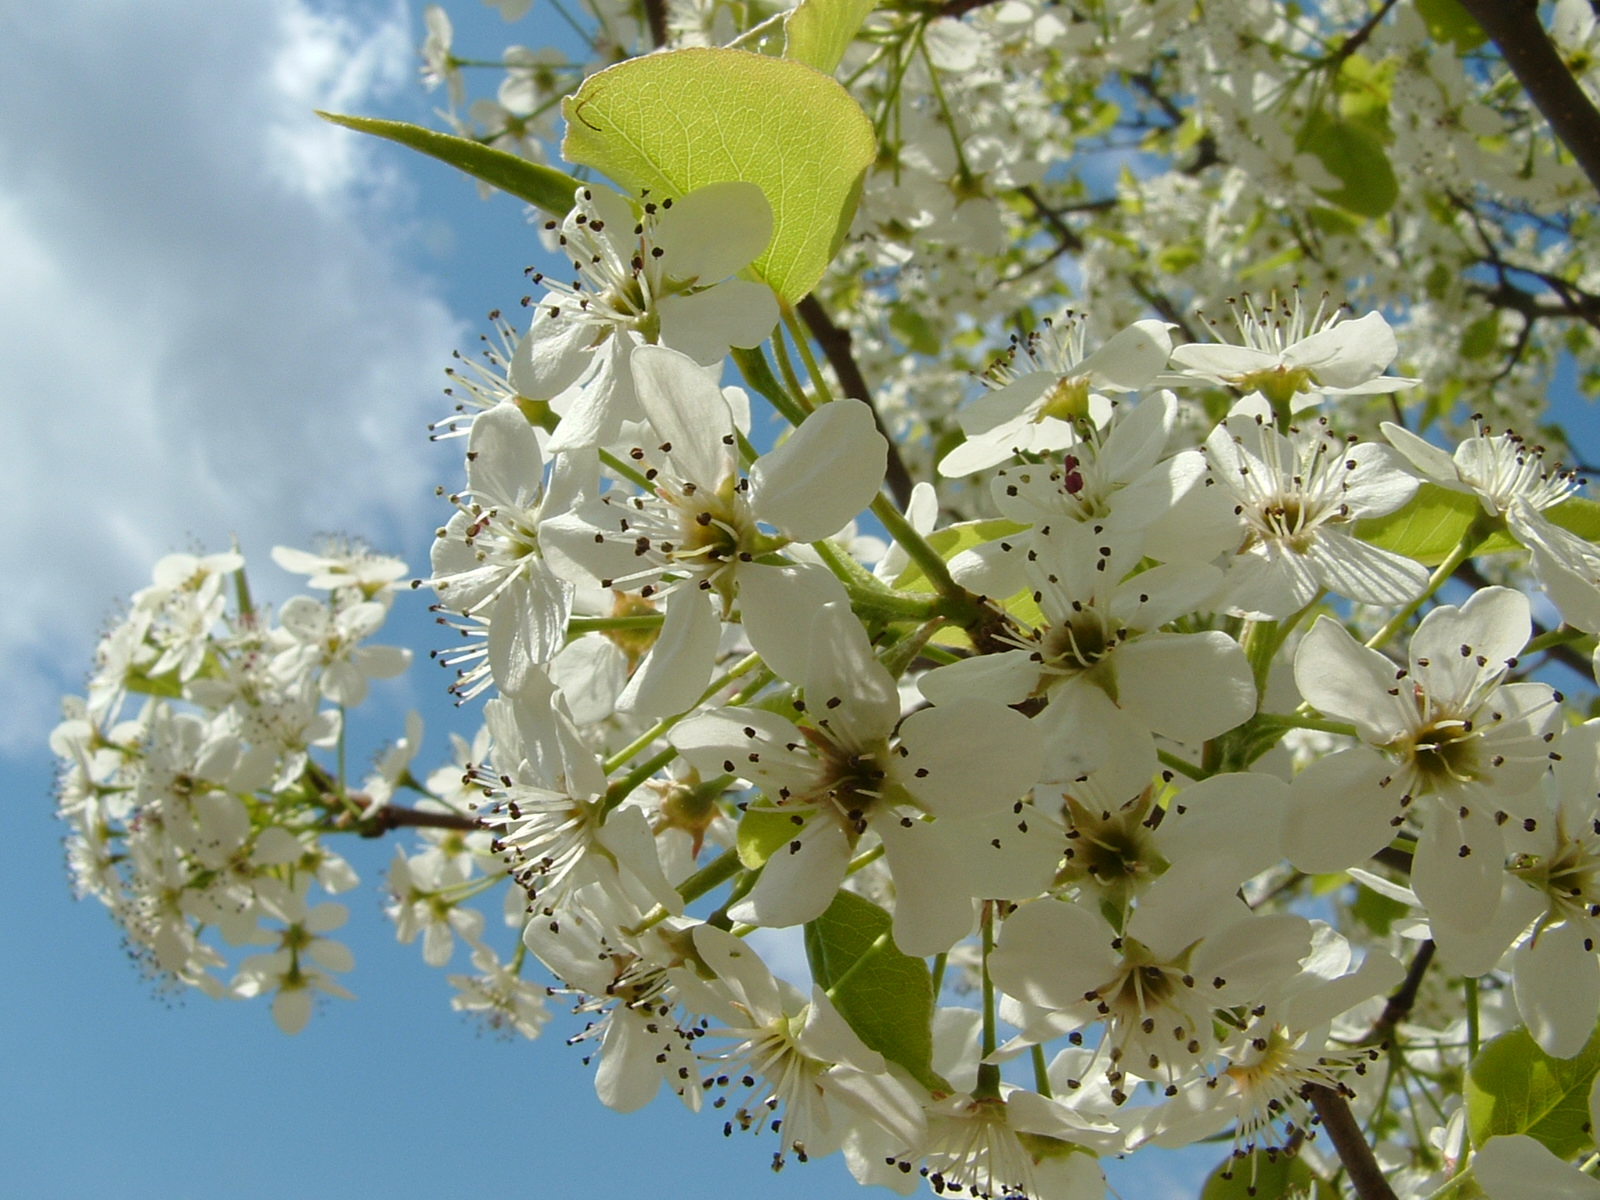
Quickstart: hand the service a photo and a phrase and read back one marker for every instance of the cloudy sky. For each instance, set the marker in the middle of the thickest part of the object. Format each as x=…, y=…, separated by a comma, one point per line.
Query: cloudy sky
x=221, y=318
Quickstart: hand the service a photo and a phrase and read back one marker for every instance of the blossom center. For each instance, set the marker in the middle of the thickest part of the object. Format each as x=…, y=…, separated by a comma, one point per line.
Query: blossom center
x=1444, y=751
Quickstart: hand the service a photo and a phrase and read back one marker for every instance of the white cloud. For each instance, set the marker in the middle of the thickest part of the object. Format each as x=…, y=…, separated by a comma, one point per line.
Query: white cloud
x=207, y=320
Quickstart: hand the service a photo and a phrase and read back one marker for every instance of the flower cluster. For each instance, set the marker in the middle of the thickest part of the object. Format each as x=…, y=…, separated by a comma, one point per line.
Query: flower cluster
x=1192, y=748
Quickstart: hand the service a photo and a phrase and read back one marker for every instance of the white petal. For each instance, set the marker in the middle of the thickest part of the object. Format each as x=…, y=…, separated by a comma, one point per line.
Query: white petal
x=1349, y=567
x=1493, y=625
x=1006, y=678
x=776, y=605
x=677, y=670
x=703, y=325
x=1346, y=681
x=968, y=757
x=797, y=885
x=1186, y=686
x=1347, y=354
x=713, y=231
x=1457, y=869
x=741, y=966
x=846, y=688
x=1130, y=358
x=1050, y=953
x=828, y=470
x=687, y=410
x=930, y=916
x=552, y=355
x=1557, y=986
x=1519, y=1168
x=1427, y=458
x=1340, y=812
x=504, y=465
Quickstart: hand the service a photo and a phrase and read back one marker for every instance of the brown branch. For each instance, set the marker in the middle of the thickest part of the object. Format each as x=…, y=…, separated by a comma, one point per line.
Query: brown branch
x=1400, y=1004
x=1359, y=38
x=375, y=822
x=655, y=12
x=835, y=343
x=959, y=8
x=1513, y=26
x=1345, y=1134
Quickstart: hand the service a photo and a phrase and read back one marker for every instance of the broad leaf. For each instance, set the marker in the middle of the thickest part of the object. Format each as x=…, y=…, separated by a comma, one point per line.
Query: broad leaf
x=818, y=32
x=1577, y=515
x=675, y=122
x=1449, y=22
x=951, y=541
x=1429, y=525
x=1261, y=1178
x=762, y=832
x=1515, y=1087
x=1354, y=156
x=543, y=187
x=886, y=996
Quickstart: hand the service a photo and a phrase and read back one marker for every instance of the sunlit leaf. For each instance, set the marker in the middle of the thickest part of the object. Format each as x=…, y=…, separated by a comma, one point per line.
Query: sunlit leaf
x=675, y=122
x=543, y=187
x=1429, y=525
x=818, y=32
x=886, y=996
x=1515, y=1087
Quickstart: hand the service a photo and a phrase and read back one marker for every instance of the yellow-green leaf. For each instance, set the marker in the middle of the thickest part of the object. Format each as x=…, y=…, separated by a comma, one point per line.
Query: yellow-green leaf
x=1354, y=156
x=1262, y=1178
x=1515, y=1087
x=951, y=541
x=1577, y=515
x=543, y=187
x=884, y=995
x=1449, y=22
x=1429, y=525
x=818, y=32
x=762, y=833
x=675, y=122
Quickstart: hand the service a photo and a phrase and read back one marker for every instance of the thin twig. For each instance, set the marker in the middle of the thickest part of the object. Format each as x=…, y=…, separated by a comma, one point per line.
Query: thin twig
x=1400, y=1004
x=1513, y=26
x=379, y=821
x=835, y=343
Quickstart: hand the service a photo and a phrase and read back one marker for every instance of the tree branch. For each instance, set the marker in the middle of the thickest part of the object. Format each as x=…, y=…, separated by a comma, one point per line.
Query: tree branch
x=655, y=13
x=1513, y=26
x=835, y=343
x=1345, y=1134
x=378, y=821
x=1404, y=999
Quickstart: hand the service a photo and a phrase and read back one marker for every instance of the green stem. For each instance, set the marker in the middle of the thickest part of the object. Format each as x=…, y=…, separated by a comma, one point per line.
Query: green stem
x=745, y=665
x=1480, y=528
x=1169, y=759
x=803, y=344
x=758, y=374
x=1041, y=1073
x=627, y=472
x=1472, y=1018
x=1295, y=721
x=791, y=381
x=622, y=788
x=960, y=605
x=715, y=873
x=868, y=597
x=578, y=625
x=862, y=860
x=988, y=1085
x=939, y=962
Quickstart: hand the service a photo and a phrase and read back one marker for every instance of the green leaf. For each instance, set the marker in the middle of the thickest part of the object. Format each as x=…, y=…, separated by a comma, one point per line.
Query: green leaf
x=1481, y=338
x=1577, y=515
x=1354, y=156
x=951, y=541
x=914, y=330
x=1263, y=1178
x=1448, y=22
x=166, y=684
x=1428, y=526
x=675, y=122
x=1515, y=1087
x=818, y=32
x=543, y=187
x=762, y=832
x=884, y=995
